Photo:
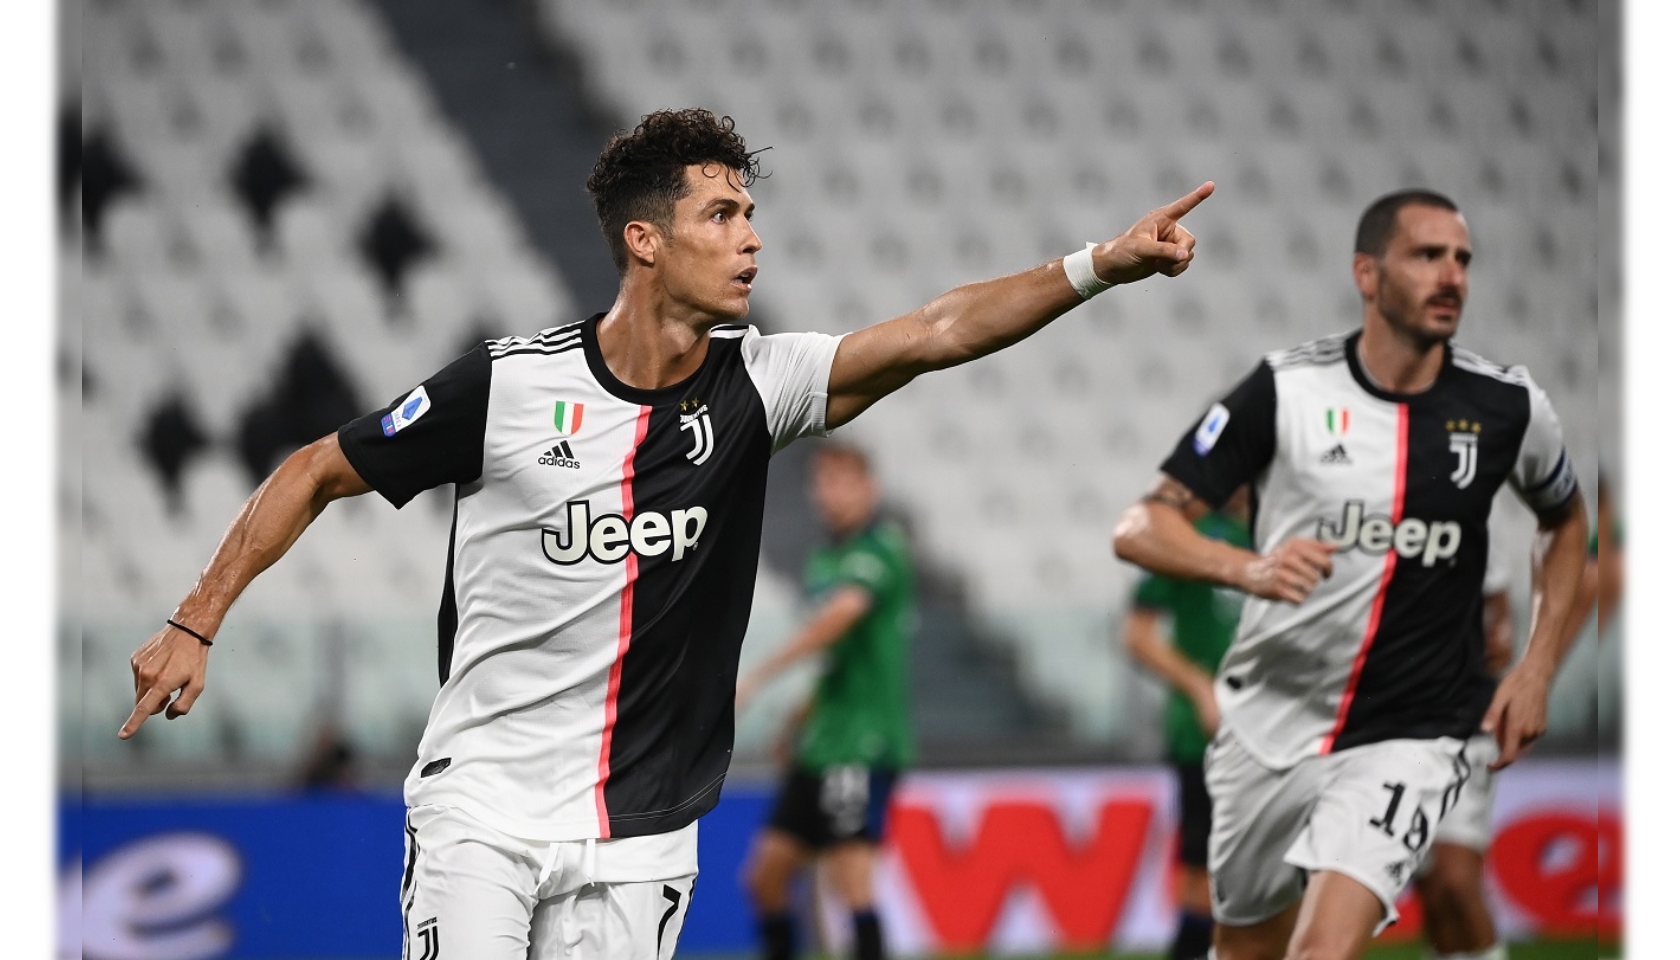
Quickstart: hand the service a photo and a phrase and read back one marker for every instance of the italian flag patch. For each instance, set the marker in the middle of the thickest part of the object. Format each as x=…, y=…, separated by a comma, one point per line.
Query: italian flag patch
x=1336, y=419
x=568, y=417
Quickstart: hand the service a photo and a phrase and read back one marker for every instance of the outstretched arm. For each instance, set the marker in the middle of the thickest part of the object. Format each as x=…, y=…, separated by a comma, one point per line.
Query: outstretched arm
x=1517, y=716
x=982, y=318
x=1158, y=533
x=843, y=609
x=270, y=522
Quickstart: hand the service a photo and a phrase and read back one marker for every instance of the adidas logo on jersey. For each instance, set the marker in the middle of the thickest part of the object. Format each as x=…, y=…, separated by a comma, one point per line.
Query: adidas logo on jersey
x=560, y=456
x=1337, y=454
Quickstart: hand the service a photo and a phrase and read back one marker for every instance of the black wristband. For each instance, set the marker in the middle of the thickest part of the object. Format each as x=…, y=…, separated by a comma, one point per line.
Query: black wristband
x=189, y=631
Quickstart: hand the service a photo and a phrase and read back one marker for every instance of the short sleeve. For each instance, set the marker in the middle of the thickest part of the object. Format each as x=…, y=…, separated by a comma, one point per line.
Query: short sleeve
x=1153, y=593
x=791, y=372
x=430, y=436
x=1543, y=475
x=1233, y=442
x=864, y=568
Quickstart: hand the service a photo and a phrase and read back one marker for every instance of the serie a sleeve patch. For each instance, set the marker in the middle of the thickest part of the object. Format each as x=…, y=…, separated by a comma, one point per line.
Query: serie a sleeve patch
x=413, y=407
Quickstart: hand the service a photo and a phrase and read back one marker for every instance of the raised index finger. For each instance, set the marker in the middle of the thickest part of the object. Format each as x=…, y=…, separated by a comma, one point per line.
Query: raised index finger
x=147, y=705
x=1183, y=205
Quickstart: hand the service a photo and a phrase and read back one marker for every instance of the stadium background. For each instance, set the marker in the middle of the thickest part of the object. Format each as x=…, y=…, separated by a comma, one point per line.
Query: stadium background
x=279, y=214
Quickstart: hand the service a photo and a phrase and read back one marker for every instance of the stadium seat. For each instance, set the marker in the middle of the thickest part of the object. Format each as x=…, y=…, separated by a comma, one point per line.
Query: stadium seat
x=914, y=150
x=187, y=286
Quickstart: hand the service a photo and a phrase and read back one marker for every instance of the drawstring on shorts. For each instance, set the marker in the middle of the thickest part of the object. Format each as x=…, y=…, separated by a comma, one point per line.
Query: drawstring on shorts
x=551, y=861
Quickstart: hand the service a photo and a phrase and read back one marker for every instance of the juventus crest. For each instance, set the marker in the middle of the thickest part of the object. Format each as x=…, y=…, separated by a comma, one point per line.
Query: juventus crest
x=1463, y=446
x=699, y=422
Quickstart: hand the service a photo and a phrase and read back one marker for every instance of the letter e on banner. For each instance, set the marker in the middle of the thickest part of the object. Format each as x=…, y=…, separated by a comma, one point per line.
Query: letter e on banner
x=1547, y=864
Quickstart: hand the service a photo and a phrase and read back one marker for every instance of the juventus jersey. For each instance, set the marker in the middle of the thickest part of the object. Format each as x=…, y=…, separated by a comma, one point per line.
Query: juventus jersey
x=1391, y=644
x=601, y=569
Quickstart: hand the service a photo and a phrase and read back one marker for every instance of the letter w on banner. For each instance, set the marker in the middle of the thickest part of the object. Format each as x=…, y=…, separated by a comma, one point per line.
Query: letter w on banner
x=1025, y=862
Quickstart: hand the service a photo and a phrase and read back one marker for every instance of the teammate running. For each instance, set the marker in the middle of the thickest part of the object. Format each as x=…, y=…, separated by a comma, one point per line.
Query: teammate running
x=1358, y=679
x=609, y=478
x=854, y=735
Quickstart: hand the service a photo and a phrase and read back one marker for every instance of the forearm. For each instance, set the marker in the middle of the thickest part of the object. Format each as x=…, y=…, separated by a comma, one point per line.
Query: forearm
x=1561, y=553
x=810, y=640
x=1162, y=540
x=1146, y=646
x=1586, y=597
x=271, y=520
x=838, y=615
x=982, y=318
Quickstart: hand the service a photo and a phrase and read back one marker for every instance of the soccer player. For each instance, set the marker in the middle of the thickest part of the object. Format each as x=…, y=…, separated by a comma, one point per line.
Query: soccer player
x=854, y=737
x=1203, y=616
x=1351, y=698
x=609, y=492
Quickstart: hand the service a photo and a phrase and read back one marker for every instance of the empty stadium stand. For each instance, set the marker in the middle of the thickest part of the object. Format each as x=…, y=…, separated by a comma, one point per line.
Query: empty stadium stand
x=280, y=224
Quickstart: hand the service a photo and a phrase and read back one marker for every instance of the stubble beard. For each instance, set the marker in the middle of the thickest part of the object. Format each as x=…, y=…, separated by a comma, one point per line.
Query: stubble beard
x=1418, y=332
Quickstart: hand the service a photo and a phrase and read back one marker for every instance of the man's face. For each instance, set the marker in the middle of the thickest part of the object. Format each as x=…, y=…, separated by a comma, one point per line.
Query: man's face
x=709, y=253
x=843, y=491
x=1420, y=281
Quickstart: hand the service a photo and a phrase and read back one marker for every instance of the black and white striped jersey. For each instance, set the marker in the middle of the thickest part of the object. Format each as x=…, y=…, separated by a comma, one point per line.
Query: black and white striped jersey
x=601, y=569
x=1391, y=644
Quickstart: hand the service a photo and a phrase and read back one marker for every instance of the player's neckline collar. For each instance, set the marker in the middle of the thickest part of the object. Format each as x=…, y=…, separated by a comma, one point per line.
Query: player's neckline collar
x=659, y=396
x=1356, y=368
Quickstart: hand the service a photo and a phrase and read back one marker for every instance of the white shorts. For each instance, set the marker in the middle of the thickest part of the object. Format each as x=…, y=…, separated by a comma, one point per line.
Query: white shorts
x=1470, y=822
x=471, y=892
x=1368, y=813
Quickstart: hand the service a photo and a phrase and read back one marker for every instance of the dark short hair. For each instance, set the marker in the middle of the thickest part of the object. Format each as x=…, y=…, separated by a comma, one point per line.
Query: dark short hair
x=1376, y=225
x=642, y=174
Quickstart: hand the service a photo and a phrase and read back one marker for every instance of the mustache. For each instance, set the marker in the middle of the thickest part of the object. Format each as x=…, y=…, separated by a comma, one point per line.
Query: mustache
x=1447, y=298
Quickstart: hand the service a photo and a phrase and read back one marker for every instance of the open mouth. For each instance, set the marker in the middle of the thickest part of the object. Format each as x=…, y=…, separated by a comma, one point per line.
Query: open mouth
x=745, y=277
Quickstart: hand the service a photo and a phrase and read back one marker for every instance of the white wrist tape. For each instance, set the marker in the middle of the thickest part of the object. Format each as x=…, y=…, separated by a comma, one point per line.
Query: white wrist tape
x=1082, y=273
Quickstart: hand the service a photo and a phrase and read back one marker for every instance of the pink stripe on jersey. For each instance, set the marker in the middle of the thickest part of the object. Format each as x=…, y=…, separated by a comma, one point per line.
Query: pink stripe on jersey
x=1402, y=430
x=626, y=606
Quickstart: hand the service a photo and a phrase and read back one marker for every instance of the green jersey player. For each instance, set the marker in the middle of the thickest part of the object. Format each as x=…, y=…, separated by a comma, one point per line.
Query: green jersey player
x=856, y=734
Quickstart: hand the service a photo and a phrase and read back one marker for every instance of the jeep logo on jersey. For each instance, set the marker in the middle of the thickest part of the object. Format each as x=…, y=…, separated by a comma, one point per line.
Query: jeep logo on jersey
x=700, y=424
x=1411, y=539
x=1463, y=446
x=609, y=537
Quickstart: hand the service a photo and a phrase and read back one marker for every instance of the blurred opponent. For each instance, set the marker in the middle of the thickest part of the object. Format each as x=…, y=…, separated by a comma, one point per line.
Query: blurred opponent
x=1353, y=696
x=610, y=478
x=853, y=735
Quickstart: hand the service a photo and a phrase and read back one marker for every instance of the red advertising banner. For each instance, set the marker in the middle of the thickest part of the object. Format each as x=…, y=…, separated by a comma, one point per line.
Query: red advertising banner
x=1016, y=862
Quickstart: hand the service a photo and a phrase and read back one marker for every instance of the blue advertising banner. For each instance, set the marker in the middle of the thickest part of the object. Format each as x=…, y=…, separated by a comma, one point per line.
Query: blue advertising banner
x=295, y=877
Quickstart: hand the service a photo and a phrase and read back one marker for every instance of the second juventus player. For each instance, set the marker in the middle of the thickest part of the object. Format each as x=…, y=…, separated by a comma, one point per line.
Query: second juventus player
x=1352, y=697
x=610, y=478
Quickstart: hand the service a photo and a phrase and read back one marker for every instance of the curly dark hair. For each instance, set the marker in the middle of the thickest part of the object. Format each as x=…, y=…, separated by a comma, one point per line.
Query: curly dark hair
x=642, y=174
